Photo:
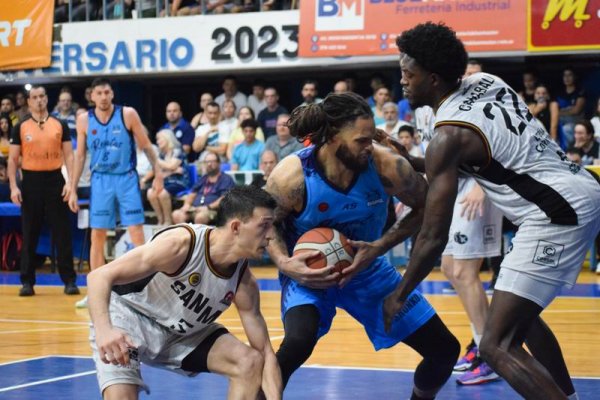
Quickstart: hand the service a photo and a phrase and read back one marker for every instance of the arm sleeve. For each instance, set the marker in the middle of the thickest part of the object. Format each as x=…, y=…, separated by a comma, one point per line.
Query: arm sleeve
x=15, y=136
x=66, y=133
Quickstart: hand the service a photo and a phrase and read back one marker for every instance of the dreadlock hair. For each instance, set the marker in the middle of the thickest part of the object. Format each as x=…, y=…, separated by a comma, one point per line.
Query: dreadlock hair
x=436, y=49
x=321, y=122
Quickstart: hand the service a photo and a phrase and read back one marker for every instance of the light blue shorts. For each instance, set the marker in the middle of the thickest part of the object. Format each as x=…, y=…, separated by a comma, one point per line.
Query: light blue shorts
x=363, y=299
x=109, y=191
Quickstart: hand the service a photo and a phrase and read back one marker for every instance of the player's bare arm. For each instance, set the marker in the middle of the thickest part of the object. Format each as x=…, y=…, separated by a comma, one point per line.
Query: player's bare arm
x=401, y=180
x=81, y=126
x=67, y=148
x=451, y=147
x=14, y=154
x=286, y=185
x=247, y=301
x=166, y=253
x=140, y=134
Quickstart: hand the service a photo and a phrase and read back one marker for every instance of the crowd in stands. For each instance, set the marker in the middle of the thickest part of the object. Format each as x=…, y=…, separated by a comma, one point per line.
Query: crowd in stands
x=91, y=10
x=233, y=135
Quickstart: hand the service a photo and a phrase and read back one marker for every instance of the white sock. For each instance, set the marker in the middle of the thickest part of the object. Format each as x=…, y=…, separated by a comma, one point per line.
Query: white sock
x=573, y=396
x=476, y=336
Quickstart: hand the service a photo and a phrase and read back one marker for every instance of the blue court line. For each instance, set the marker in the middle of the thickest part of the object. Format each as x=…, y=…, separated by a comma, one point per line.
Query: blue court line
x=427, y=287
x=65, y=377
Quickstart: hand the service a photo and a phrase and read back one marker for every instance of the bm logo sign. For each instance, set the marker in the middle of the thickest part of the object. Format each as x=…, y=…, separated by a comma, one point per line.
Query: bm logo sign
x=339, y=15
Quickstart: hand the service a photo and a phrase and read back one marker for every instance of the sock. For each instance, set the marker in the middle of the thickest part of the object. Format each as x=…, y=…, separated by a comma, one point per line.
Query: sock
x=476, y=336
x=415, y=396
x=573, y=396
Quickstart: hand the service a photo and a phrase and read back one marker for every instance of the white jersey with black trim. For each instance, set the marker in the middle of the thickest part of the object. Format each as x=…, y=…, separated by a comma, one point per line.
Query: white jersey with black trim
x=528, y=177
x=191, y=298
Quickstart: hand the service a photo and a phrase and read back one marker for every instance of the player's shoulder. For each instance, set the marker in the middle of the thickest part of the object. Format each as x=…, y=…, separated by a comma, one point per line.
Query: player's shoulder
x=288, y=172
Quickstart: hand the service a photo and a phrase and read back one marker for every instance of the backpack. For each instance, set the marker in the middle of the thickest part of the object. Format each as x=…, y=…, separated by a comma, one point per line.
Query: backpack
x=11, y=251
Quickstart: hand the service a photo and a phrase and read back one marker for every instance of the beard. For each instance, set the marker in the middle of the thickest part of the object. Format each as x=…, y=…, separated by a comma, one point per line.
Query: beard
x=353, y=163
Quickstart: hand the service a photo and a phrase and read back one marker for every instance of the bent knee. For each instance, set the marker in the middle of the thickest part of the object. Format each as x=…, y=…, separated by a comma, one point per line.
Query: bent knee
x=251, y=363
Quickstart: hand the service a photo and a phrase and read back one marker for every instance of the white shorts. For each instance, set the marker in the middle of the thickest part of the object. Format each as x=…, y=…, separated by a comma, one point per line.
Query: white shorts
x=545, y=257
x=157, y=346
x=479, y=238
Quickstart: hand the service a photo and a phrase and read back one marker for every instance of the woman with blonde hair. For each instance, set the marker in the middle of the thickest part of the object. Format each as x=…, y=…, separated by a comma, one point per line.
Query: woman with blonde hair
x=172, y=162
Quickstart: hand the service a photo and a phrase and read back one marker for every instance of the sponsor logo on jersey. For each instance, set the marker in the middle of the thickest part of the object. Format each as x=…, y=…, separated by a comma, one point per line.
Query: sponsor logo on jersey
x=548, y=253
x=460, y=238
x=374, y=198
x=194, y=279
x=349, y=206
x=489, y=234
x=227, y=299
x=28, y=137
x=323, y=206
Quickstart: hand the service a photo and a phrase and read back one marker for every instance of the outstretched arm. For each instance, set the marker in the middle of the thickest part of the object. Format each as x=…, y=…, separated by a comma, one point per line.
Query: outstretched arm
x=247, y=301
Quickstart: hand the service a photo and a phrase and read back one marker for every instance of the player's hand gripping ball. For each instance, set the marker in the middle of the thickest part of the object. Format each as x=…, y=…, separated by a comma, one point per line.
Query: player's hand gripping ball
x=333, y=248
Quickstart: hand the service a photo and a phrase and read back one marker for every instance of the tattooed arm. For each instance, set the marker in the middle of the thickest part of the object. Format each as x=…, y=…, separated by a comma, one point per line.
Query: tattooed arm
x=286, y=185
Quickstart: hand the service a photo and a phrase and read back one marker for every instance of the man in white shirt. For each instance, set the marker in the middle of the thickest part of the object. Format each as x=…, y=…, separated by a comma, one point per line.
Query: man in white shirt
x=230, y=92
x=392, y=123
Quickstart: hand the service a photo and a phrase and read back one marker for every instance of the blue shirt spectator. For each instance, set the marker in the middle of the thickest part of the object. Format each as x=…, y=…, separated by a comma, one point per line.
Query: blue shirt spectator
x=246, y=156
x=181, y=128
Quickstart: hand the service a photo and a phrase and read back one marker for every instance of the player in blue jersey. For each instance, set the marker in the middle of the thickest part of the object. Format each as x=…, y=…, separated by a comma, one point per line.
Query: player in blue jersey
x=110, y=132
x=343, y=181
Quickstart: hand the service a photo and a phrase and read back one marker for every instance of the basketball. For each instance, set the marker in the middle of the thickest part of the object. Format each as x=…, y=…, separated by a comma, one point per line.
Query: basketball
x=333, y=247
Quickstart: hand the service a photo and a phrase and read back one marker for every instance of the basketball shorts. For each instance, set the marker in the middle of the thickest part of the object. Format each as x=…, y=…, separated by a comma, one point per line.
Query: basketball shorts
x=157, y=346
x=478, y=238
x=109, y=191
x=363, y=299
x=545, y=257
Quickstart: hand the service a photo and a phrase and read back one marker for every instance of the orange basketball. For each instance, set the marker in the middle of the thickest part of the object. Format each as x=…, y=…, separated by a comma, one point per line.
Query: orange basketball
x=333, y=247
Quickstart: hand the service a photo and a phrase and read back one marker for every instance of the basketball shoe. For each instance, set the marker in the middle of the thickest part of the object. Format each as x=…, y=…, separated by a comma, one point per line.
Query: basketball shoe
x=479, y=373
x=465, y=362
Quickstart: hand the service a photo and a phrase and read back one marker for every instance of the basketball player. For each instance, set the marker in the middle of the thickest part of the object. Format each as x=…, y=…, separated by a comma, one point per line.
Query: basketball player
x=186, y=277
x=344, y=181
x=485, y=130
x=110, y=132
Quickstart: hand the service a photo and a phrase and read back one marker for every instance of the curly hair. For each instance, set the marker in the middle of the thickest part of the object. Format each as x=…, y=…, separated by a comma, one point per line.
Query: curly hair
x=321, y=122
x=436, y=48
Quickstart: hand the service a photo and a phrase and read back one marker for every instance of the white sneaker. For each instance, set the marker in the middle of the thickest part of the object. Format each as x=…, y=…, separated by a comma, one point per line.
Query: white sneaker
x=82, y=303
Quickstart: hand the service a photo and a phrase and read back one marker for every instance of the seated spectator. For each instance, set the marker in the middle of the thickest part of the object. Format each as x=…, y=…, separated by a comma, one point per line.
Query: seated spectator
x=181, y=128
x=118, y=9
x=200, y=205
x=21, y=109
x=242, y=6
x=545, y=110
x=230, y=91
x=200, y=118
x=237, y=136
x=575, y=154
x=406, y=137
x=268, y=161
x=530, y=83
x=228, y=120
x=7, y=106
x=267, y=118
x=208, y=136
x=246, y=155
x=176, y=178
x=571, y=103
x=283, y=143
x=310, y=92
x=181, y=8
x=64, y=112
x=340, y=87
x=596, y=120
x=390, y=115
x=584, y=140
x=375, y=83
x=257, y=101
x=5, y=132
x=381, y=96
x=219, y=6
x=4, y=184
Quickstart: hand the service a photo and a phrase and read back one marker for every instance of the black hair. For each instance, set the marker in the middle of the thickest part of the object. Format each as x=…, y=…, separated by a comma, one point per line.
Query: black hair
x=407, y=128
x=436, y=49
x=240, y=202
x=575, y=150
x=100, y=81
x=259, y=82
x=321, y=122
x=311, y=82
x=473, y=61
x=249, y=109
x=589, y=128
x=10, y=125
x=230, y=77
x=213, y=104
x=8, y=97
x=34, y=87
x=249, y=123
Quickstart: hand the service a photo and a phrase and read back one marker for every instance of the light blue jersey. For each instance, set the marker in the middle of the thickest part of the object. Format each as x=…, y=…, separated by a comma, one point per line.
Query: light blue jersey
x=360, y=213
x=111, y=145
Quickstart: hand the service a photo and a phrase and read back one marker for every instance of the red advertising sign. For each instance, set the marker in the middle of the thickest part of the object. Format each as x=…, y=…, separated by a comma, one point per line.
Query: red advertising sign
x=563, y=25
x=370, y=27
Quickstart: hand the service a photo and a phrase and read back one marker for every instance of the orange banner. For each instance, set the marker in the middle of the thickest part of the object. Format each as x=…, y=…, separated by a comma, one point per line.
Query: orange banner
x=370, y=27
x=25, y=33
x=556, y=25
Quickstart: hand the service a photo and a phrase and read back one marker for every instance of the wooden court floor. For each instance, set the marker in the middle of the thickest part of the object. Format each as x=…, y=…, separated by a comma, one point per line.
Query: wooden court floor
x=48, y=324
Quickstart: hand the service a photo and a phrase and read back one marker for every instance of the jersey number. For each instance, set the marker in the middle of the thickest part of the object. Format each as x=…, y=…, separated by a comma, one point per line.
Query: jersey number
x=502, y=105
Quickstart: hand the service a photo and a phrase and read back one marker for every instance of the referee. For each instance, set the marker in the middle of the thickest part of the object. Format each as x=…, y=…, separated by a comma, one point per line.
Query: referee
x=44, y=144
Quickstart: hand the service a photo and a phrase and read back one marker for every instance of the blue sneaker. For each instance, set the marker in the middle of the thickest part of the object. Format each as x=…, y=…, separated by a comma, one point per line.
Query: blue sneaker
x=478, y=374
x=465, y=362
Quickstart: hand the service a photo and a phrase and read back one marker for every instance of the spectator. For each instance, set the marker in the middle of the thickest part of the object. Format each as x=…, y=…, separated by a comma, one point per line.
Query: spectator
x=530, y=83
x=350, y=79
x=145, y=172
x=237, y=136
x=268, y=161
x=228, y=122
x=180, y=8
x=201, y=204
x=208, y=137
x=176, y=179
x=584, y=140
x=381, y=96
x=22, y=110
x=4, y=183
x=405, y=112
x=7, y=106
x=267, y=118
x=230, y=91
x=375, y=83
x=473, y=67
x=575, y=154
x=596, y=120
x=256, y=101
x=89, y=103
x=241, y=6
x=219, y=6
x=571, y=103
x=246, y=155
x=5, y=131
x=64, y=112
x=406, y=137
x=392, y=124
x=545, y=109
x=283, y=144
x=181, y=128
x=118, y=9
x=340, y=87
x=43, y=143
x=201, y=118
x=310, y=91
